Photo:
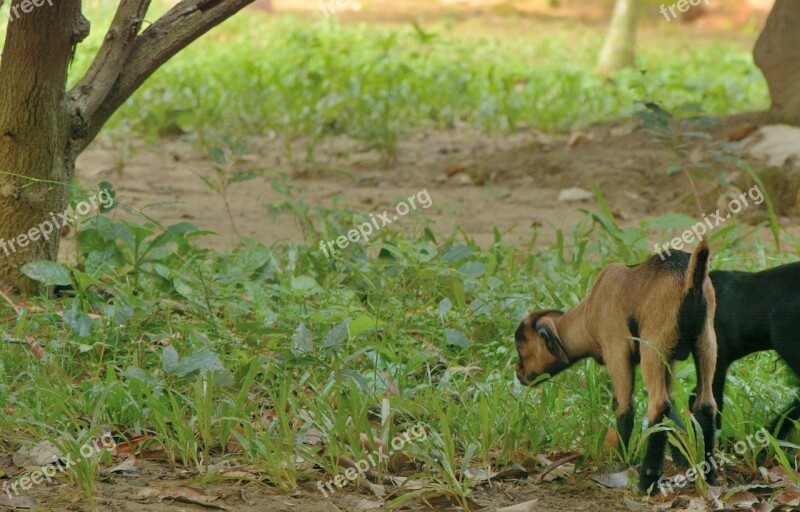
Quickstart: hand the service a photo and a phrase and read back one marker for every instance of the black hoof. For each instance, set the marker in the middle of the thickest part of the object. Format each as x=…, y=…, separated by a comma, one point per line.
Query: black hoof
x=649, y=483
x=678, y=458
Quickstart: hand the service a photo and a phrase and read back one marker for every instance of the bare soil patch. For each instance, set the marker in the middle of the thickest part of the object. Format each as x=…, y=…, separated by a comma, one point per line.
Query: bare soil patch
x=509, y=182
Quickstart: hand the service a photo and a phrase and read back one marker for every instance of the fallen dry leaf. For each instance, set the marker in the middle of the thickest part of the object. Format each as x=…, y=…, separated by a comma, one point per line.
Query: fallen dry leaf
x=764, y=506
x=465, y=370
x=238, y=474
x=455, y=169
x=789, y=498
x=634, y=505
x=618, y=480
x=313, y=437
x=347, y=462
x=774, y=143
x=574, y=194
x=741, y=499
x=741, y=131
x=778, y=477
x=559, y=469
x=366, y=444
x=377, y=489
x=42, y=454
x=697, y=505
x=131, y=444
x=183, y=494
x=391, y=387
x=526, y=506
x=479, y=474
x=512, y=471
x=578, y=138
x=126, y=466
x=365, y=504
x=17, y=501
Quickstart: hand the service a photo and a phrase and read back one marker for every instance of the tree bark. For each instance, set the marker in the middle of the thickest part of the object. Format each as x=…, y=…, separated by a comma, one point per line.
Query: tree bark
x=619, y=49
x=777, y=54
x=35, y=170
x=43, y=128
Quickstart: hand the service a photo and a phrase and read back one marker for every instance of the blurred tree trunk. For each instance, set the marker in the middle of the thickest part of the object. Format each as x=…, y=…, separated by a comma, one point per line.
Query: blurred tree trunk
x=697, y=11
x=44, y=127
x=619, y=49
x=777, y=53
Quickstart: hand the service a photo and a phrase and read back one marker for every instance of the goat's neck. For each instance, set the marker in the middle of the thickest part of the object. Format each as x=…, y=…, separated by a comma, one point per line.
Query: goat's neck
x=574, y=333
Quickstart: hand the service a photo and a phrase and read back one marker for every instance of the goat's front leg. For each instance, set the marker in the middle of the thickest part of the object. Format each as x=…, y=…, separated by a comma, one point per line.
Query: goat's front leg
x=705, y=407
x=622, y=380
x=655, y=375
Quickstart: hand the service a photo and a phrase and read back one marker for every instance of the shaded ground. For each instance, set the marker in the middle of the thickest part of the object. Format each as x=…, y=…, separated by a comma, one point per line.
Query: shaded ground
x=150, y=489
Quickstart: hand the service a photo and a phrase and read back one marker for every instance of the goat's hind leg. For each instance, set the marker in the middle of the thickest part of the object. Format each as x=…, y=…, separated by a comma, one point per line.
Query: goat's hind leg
x=705, y=407
x=678, y=457
x=784, y=323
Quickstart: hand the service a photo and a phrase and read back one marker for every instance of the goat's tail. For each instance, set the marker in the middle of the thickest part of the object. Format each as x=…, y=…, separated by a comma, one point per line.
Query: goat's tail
x=698, y=269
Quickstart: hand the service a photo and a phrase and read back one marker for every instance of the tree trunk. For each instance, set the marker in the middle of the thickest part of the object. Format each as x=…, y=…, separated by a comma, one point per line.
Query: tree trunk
x=777, y=53
x=43, y=127
x=619, y=49
x=35, y=165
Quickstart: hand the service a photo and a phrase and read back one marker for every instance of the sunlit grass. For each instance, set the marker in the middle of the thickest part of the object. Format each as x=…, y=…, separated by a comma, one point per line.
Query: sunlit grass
x=261, y=74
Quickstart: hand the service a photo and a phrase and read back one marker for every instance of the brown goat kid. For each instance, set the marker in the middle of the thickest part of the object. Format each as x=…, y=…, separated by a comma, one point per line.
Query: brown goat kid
x=656, y=311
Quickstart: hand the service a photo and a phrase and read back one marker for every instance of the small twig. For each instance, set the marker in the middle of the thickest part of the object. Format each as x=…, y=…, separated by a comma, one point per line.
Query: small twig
x=36, y=349
x=559, y=462
x=11, y=302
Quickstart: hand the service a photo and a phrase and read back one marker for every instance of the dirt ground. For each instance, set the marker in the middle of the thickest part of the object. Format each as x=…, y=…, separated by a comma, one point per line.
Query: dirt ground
x=156, y=488
x=476, y=180
x=511, y=182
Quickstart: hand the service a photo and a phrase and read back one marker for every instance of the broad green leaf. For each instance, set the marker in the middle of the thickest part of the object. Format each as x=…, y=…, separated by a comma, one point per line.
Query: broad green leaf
x=456, y=338
x=48, y=273
x=361, y=324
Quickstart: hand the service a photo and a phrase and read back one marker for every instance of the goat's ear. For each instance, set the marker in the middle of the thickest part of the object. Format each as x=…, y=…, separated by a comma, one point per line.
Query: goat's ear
x=546, y=328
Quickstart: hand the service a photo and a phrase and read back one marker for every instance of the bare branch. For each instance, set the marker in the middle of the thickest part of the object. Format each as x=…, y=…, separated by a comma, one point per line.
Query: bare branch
x=180, y=26
x=93, y=88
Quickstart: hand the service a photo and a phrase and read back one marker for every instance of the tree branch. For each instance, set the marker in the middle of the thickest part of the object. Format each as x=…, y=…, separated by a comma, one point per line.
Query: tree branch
x=95, y=85
x=162, y=40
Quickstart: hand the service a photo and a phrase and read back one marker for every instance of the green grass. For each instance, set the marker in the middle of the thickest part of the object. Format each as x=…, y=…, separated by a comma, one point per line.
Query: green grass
x=267, y=348
x=259, y=75
x=261, y=347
